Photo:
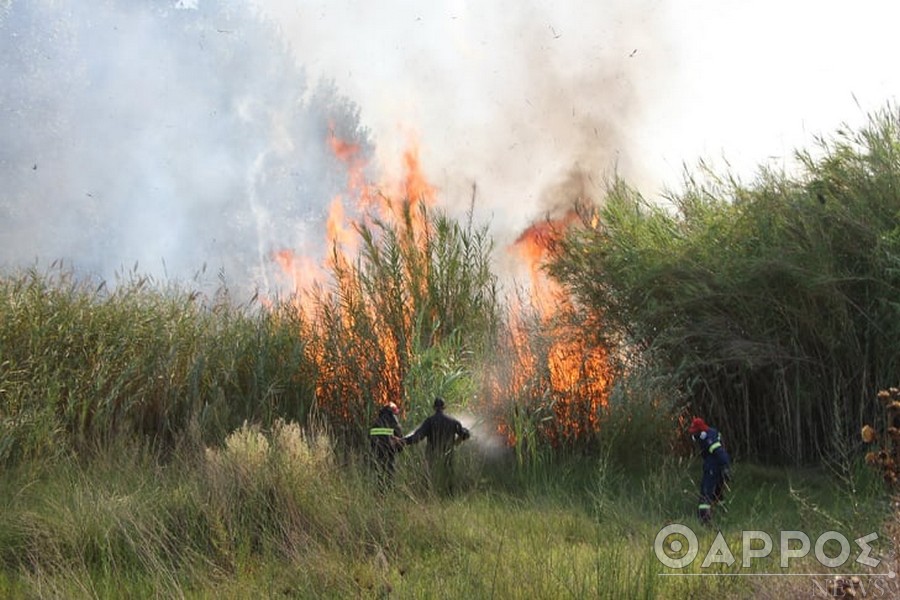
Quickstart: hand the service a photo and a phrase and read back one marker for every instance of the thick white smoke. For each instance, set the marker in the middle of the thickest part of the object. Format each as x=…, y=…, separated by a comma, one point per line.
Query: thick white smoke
x=178, y=134
x=169, y=135
x=183, y=133
x=488, y=443
x=516, y=95
x=510, y=95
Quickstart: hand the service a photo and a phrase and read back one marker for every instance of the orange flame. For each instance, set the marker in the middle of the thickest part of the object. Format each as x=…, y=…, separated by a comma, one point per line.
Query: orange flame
x=551, y=369
x=337, y=232
x=576, y=384
x=341, y=372
x=533, y=247
x=416, y=187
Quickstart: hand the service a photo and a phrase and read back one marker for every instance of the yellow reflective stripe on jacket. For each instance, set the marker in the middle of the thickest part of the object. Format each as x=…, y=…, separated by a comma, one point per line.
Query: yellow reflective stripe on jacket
x=704, y=506
x=381, y=431
x=714, y=447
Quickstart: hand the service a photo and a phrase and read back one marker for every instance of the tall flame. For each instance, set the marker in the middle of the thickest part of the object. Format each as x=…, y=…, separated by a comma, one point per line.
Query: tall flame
x=576, y=383
x=551, y=370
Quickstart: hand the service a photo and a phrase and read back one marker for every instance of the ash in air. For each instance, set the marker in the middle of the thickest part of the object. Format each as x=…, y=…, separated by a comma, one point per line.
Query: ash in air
x=175, y=136
x=178, y=134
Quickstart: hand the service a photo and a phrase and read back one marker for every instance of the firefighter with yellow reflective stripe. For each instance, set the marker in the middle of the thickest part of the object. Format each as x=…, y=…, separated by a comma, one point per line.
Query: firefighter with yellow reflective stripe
x=716, y=466
x=386, y=441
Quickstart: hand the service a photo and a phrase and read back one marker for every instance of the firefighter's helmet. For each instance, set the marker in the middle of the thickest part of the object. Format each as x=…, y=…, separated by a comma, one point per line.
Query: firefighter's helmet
x=697, y=425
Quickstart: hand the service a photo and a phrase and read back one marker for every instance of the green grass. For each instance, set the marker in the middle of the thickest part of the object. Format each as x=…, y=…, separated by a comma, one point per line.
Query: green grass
x=125, y=470
x=276, y=513
x=81, y=364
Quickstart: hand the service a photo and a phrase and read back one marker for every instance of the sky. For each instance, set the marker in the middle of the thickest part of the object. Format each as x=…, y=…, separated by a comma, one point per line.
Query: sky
x=183, y=135
x=520, y=84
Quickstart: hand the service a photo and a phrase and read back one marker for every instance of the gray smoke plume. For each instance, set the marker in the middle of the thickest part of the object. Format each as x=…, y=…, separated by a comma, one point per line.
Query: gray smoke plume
x=512, y=95
x=181, y=133
x=171, y=135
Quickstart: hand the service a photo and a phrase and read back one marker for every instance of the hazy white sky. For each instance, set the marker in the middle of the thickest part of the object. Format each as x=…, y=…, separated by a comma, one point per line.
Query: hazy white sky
x=504, y=92
x=758, y=79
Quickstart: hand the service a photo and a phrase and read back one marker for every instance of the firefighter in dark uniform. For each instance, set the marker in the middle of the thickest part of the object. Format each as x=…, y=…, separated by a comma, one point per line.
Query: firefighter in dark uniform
x=386, y=441
x=443, y=434
x=716, y=466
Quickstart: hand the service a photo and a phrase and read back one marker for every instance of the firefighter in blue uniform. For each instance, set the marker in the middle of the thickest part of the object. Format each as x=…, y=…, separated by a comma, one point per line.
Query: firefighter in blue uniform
x=716, y=466
x=386, y=441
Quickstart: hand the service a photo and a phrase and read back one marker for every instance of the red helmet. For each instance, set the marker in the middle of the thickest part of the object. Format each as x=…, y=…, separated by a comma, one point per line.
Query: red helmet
x=697, y=425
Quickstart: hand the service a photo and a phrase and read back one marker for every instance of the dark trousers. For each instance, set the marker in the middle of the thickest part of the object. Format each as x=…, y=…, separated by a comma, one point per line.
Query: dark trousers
x=712, y=490
x=440, y=473
x=383, y=459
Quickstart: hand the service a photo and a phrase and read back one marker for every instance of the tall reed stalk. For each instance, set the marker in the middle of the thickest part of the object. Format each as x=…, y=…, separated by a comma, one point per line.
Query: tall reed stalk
x=773, y=304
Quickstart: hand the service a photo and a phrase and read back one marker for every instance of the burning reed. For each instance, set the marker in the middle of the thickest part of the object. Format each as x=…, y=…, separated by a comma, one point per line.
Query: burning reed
x=772, y=305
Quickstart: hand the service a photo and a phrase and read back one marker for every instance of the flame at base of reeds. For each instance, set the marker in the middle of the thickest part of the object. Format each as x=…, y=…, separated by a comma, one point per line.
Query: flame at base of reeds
x=405, y=289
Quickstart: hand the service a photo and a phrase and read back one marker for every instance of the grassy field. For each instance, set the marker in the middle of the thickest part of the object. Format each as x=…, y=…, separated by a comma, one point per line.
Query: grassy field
x=128, y=468
x=278, y=514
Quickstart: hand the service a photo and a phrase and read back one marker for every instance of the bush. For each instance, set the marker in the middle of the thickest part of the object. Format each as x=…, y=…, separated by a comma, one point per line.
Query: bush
x=773, y=304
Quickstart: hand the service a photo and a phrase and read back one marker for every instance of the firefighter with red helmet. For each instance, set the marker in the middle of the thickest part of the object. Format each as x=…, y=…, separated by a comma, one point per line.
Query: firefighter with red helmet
x=386, y=441
x=716, y=466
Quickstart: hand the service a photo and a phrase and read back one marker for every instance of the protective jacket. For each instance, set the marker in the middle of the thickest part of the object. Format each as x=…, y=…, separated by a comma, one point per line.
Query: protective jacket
x=716, y=464
x=385, y=440
x=442, y=433
x=711, y=449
